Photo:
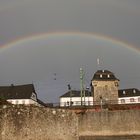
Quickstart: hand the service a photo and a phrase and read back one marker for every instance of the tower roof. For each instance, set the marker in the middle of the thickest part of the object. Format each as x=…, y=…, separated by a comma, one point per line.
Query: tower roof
x=104, y=75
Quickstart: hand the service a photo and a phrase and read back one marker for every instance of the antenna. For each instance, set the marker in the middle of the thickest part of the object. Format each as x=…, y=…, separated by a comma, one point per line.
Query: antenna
x=98, y=63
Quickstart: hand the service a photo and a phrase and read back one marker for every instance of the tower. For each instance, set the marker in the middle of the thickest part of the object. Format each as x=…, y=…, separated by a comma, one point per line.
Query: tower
x=105, y=86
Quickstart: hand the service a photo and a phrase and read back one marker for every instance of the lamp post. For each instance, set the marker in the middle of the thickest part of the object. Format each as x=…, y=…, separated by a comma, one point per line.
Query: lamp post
x=81, y=85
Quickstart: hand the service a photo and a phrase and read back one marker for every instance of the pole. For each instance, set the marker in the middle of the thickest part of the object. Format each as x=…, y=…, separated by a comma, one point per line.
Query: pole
x=81, y=85
x=98, y=63
x=87, y=88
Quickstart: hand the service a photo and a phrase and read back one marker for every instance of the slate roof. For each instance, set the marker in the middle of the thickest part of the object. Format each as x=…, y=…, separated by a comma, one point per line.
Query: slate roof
x=75, y=93
x=104, y=75
x=128, y=92
x=17, y=92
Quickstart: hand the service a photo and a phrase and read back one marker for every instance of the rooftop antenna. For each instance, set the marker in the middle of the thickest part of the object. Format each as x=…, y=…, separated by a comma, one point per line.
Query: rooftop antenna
x=98, y=63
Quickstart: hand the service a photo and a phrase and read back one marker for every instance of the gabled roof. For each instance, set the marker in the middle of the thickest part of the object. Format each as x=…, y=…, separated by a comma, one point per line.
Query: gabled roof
x=75, y=93
x=17, y=92
x=104, y=75
x=128, y=92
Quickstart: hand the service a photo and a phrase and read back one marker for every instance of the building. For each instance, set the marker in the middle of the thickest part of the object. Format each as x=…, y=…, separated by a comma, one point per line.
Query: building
x=19, y=94
x=129, y=96
x=104, y=86
x=104, y=90
x=73, y=98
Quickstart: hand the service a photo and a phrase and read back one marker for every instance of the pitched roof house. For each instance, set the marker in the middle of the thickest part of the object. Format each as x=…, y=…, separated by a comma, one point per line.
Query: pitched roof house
x=127, y=96
x=73, y=98
x=19, y=94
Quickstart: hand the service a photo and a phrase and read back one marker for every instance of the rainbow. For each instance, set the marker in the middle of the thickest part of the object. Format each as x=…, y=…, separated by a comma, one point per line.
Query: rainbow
x=52, y=35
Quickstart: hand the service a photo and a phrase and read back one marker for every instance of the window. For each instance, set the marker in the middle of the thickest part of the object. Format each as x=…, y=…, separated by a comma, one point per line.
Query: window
x=116, y=84
x=101, y=75
x=123, y=91
x=16, y=101
x=134, y=91
x=108, y=76
x=139, y=99
x=23, y=102
x=132, y=100
x=123, y=101
x=67, y=103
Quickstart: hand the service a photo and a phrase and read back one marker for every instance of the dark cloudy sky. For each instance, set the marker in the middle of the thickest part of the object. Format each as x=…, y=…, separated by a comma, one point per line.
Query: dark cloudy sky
x=84, y=31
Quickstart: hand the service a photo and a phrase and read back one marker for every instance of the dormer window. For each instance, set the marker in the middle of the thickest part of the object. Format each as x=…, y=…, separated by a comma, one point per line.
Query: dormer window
x=101, y=75
x=124, y=92
x=134, y=91
x=103, y=70
x=108, y=76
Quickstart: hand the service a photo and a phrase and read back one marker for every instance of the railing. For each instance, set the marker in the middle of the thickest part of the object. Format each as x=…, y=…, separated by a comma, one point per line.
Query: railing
x=92, y=103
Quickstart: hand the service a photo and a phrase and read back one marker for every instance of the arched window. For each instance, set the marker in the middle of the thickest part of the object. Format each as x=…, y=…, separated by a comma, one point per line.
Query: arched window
x=132, y=100
x=123, y=101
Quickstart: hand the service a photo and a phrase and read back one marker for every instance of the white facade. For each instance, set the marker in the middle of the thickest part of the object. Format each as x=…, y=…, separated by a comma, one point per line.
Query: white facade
x=31, y=101
x=129, y=100
x=22, y=101
x=76, y=101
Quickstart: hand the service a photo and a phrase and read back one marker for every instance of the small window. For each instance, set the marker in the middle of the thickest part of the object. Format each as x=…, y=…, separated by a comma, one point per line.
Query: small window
x=101, y=75
x=124, y=92
x=16, y=102
x=123, y=101
x=116, y=84
x=23, y=102
x=132, y=100
x=108, y=76
x=134, y=91
x=67, y=103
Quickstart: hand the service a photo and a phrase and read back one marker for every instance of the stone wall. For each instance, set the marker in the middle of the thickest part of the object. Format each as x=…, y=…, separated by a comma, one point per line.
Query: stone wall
x=36, y=123
x=108, y=90
x=110, y=123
